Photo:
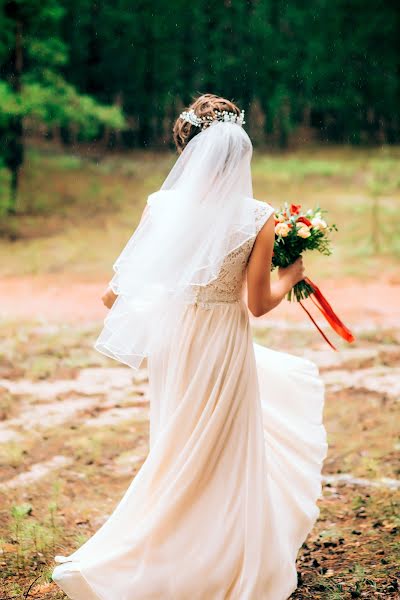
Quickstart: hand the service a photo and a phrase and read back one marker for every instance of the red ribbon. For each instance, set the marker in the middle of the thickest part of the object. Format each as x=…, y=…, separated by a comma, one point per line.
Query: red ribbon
x=326, y=309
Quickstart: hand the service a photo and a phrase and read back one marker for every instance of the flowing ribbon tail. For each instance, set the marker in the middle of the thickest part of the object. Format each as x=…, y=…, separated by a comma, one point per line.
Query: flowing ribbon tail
x=317, y=326
x=326, y=309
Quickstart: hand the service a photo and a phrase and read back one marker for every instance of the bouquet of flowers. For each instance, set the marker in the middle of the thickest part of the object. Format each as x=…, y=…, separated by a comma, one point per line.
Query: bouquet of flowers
x=295, y=232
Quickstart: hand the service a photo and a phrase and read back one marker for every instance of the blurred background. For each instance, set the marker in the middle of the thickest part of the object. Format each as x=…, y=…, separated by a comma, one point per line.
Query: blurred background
x=89, y=92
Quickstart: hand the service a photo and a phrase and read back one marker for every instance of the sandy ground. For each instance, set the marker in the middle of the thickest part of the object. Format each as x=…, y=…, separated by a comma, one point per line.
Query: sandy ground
x=68, y=298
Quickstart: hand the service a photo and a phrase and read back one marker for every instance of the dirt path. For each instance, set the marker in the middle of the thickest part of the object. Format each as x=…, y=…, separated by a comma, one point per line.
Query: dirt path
x=71, y=298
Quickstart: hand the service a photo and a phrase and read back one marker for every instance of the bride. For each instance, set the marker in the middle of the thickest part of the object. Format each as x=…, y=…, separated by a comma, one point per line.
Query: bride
x=229, y=489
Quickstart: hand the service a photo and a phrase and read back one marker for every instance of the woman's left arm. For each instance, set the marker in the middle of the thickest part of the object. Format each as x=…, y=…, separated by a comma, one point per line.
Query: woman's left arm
x=109, y=297
x=262, y=294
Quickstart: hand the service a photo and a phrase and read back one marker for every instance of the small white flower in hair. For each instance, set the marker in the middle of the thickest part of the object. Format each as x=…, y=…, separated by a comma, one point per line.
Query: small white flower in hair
x=225, y=116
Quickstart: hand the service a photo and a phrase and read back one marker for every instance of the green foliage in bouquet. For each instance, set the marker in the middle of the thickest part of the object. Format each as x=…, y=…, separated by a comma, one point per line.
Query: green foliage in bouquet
x=296, y=232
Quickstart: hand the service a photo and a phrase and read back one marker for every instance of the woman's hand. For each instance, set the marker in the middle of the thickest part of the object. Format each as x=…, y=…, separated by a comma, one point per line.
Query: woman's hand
x=293, y=273
x=109, y=298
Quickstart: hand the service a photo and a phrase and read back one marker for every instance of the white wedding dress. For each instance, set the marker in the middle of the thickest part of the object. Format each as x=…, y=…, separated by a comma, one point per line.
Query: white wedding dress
x=228, y=492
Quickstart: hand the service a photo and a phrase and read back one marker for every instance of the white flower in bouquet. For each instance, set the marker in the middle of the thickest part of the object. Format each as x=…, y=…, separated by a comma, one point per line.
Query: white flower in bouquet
x=319, y=223
x=304, y=231
x=282, y=229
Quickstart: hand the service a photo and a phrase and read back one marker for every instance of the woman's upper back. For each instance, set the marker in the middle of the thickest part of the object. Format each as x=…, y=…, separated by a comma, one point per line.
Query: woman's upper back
x=227, y=287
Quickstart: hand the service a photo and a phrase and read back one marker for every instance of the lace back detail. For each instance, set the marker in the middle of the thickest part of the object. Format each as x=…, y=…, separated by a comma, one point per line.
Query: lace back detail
x=229, y=283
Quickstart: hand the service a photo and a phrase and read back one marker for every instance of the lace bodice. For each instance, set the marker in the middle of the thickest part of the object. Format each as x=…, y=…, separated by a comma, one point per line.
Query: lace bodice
x=229, y=283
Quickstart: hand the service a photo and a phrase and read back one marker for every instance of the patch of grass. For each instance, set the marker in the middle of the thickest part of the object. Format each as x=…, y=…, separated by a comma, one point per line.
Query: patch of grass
x=369, y=452
x=330, y=589
x=286, y=168
x=350, y=553
x=12, y=454
x=88, y=448
x=28, y=535
x=6, y=404
x=380, y=336
x=66, y=162
x=333, y=534
x=45, y=351
x=290, y=338
x=358, y=502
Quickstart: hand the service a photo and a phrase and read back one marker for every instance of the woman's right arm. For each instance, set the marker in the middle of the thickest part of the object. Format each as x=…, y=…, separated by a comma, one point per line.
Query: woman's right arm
x=262, y=294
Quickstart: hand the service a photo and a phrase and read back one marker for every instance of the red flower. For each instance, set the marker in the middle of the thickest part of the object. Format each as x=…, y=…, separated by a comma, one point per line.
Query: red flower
x=295, y=209
x=305, y=221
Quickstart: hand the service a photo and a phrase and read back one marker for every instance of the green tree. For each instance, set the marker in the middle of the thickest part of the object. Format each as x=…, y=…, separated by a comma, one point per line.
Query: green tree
x=32, y=56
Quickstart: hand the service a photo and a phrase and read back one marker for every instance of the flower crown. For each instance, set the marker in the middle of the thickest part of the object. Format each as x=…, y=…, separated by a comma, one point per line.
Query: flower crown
x=225, y=116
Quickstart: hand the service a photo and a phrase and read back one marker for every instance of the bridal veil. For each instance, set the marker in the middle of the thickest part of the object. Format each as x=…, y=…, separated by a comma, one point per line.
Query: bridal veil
x=202, y=212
